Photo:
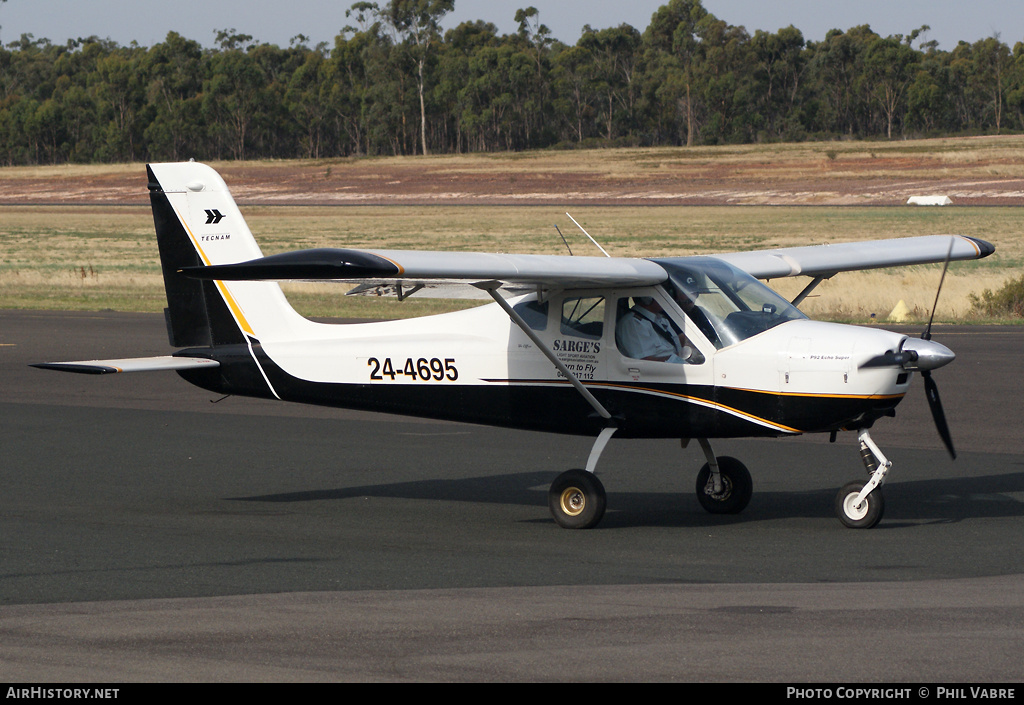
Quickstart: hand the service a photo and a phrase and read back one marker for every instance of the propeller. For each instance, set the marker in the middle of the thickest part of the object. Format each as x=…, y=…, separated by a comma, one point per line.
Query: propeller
x=924, y=355
x=931, y=390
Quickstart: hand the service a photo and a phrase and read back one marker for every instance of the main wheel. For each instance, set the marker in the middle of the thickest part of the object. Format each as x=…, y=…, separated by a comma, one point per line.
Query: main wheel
x=863, y=515
x=737, y=487
x=577, y=499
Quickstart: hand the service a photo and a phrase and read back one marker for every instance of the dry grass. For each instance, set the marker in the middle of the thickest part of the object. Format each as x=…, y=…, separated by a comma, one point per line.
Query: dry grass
x=90, y=257
x=873, y=296
x=857, y=160
x=81, y=258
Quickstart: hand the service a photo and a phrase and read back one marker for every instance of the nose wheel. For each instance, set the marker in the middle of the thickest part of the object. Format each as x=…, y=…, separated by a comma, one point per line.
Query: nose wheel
x=856, y=512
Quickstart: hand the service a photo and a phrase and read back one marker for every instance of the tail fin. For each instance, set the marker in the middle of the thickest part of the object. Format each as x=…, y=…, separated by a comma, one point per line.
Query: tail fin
x=197, y=223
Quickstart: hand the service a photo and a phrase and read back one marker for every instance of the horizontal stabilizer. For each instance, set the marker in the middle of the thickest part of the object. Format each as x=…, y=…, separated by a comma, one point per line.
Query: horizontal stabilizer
x=130, y=364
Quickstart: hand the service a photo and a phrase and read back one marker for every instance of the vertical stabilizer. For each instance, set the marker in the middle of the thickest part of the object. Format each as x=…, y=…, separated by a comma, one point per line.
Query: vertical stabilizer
x=197, y=223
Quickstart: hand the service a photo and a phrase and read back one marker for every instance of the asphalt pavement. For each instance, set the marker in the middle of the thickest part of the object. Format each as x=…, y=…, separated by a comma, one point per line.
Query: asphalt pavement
x=152, y=532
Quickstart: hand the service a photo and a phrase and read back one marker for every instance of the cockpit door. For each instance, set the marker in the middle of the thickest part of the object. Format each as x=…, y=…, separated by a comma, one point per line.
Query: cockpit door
x=653, y=340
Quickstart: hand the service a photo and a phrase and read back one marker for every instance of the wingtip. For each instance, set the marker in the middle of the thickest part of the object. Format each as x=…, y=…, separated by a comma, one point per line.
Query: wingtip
x=984, y=248
x=79, y=368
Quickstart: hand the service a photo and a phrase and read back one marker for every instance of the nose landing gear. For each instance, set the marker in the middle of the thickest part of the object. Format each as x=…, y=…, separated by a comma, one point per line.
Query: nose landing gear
x=861, y=506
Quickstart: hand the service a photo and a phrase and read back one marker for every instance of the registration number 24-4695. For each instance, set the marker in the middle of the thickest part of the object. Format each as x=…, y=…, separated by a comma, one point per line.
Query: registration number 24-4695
x=421, y=369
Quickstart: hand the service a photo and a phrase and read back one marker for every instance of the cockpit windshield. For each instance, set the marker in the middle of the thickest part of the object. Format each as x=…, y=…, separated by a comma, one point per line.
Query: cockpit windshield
x=726, y=303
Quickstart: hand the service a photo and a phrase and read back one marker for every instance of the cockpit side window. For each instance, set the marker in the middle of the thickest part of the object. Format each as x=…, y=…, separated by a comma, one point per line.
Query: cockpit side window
x=644, y=331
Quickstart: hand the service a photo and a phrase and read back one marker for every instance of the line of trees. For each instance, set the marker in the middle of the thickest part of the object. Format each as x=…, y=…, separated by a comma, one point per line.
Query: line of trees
x=393, y=83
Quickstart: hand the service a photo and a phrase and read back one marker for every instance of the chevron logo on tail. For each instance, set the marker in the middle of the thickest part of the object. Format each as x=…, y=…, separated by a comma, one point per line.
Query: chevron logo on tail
x=213, y=216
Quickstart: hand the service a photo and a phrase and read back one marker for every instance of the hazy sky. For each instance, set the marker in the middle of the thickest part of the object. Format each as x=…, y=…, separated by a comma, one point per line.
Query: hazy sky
x=148, y=21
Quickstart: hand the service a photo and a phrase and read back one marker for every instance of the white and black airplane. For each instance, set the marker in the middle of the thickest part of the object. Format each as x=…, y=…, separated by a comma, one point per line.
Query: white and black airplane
x=561, y=349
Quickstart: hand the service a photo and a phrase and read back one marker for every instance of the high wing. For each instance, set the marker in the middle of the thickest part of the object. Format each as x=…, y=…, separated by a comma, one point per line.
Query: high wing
x=827, y=260
x=393, y=269
x=385, y=272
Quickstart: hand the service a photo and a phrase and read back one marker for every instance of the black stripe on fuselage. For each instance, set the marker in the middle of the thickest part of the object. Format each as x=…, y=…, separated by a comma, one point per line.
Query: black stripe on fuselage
x=639, y=411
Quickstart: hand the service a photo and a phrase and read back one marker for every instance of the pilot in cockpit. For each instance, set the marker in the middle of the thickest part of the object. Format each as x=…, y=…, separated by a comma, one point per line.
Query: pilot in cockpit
x=645, y=332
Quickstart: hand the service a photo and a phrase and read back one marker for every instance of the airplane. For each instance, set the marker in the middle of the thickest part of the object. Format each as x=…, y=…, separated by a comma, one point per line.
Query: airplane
x=550, y=352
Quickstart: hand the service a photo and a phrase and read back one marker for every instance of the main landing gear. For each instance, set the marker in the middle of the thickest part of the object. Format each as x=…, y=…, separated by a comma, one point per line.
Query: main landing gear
x=723, y=484
x=577, y=499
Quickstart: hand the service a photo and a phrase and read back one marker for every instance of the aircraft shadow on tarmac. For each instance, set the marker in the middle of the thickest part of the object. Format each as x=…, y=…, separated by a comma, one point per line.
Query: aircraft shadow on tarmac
x=934, y=501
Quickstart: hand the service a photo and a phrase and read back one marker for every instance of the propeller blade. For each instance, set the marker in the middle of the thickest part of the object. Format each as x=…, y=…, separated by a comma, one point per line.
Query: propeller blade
x=931, y=390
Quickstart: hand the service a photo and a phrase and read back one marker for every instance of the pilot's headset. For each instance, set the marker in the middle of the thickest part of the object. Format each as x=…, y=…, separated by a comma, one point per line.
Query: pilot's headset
x=689, y=285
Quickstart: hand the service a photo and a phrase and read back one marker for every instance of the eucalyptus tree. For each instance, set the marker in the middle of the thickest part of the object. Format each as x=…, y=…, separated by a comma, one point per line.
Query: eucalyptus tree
x=779, y=65
x=724, y=82
x=672, y=52
x=174, y=71
x=349, y=85
x=573, y=74
x=534, y=39
x=614, y=53
x=417, y=23
x=120, y=90
x=307, y=101
x=838, y=67
x=232, y=93
x=930, y=95
x=992, y=68
x=1015, y=88
x=890, y=65
x=460, y=93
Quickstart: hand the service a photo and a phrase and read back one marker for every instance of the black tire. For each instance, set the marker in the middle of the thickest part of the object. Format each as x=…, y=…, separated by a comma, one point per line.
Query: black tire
x=864, y=516
x=577, y=500
x=737, y=487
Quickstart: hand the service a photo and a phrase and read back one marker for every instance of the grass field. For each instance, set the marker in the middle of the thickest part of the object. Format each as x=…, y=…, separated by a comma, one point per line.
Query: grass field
x=80, y=258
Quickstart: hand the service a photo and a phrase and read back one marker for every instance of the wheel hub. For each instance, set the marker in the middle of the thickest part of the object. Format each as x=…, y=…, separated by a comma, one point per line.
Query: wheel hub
x=573, y=501
x=853, y=510
x=709, y=489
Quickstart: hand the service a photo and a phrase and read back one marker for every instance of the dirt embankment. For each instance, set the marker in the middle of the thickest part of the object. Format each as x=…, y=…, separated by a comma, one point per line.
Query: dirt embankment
x=982, y=171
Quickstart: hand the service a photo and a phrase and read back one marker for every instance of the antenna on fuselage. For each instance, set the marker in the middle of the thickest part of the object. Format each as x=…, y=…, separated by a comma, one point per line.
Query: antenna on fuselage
x=588, y=235
x=563, y=239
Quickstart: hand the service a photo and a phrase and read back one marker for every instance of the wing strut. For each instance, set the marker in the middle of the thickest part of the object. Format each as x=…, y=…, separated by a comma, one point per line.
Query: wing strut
x=492, y=289
x=808, y=289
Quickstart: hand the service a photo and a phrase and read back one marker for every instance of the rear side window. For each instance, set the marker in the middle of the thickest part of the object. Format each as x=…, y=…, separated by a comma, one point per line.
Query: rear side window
x=583, y=317
x=535, y=313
